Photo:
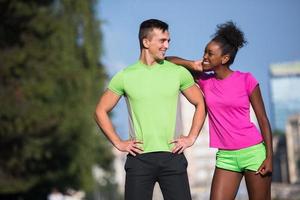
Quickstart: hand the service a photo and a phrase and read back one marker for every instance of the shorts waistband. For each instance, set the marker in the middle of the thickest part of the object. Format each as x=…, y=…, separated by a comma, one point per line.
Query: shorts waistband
x=246, y=149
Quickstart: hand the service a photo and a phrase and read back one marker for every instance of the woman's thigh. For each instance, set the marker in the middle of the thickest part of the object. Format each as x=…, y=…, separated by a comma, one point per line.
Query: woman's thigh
x=258, y=186
x=225, y=184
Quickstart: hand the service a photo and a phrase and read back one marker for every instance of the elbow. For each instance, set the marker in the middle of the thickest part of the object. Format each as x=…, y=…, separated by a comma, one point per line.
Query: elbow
x=263, y=122
x=97, y=114
x=200, y=105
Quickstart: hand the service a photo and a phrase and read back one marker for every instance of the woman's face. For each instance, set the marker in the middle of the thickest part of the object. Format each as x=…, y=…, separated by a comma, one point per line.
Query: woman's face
x=212, y=57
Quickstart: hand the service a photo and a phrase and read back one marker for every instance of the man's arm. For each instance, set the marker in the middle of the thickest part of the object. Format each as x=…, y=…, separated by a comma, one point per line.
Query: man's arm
x=195, y=97
x=106, y=103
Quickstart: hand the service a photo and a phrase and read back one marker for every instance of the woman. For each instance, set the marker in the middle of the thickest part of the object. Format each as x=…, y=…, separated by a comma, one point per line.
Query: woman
x=243, y=150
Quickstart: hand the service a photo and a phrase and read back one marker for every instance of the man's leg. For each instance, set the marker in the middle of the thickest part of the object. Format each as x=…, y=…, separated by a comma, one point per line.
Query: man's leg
x=173, y=179
x=140, y=177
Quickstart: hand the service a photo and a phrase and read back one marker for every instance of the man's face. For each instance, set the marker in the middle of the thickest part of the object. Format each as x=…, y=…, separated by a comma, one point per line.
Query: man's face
x=157, y=43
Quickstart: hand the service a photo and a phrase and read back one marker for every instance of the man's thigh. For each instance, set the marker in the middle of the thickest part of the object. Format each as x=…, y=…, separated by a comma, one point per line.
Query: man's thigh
x=173, y=179
x=140, y=177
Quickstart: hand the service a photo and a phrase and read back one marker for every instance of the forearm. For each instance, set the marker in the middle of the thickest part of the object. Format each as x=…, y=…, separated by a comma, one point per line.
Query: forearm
x=198, y=121
x=105, y=124
x=267, y=136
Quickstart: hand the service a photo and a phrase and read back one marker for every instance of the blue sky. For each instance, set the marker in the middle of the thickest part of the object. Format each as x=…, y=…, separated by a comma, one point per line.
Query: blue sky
x=272, y=28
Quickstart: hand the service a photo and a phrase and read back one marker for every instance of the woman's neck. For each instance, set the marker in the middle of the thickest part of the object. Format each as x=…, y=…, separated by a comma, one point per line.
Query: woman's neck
x=222, y=72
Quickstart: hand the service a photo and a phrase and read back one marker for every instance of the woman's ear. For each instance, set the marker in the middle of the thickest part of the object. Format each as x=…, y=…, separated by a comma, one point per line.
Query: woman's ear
x=225, y=59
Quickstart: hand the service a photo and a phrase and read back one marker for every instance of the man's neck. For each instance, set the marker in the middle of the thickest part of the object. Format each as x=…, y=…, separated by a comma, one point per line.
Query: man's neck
x=147, y=59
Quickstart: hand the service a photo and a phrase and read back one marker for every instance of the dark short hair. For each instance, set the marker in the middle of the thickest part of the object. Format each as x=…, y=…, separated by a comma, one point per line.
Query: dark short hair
x=147, y=26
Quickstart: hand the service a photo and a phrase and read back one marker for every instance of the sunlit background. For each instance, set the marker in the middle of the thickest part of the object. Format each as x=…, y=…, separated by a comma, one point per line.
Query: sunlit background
x=56, y=57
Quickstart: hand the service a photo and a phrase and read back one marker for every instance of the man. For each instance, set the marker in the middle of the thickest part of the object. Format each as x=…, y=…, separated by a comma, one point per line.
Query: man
x=151, y=87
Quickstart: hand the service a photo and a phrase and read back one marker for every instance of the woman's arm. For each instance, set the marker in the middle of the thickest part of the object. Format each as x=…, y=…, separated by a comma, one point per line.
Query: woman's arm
x=264, y=125
x=189, y=64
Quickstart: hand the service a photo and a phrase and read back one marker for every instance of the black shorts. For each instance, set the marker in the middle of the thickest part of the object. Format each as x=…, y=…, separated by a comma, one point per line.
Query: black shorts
x=168, y=169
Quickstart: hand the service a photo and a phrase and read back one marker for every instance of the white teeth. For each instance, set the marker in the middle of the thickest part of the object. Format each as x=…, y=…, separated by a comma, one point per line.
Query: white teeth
x=206, y=63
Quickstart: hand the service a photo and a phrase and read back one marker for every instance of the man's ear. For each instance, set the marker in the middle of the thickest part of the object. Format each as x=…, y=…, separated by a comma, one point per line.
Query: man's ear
x=225, y=59
x=146, y=43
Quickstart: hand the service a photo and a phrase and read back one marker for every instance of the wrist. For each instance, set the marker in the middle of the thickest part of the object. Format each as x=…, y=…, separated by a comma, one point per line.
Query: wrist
x=192, y=138
x=196, y=65
x=116, y=142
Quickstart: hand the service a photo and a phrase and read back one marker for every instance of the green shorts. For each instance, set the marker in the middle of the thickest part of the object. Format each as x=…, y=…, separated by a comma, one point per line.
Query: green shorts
x=241, y=160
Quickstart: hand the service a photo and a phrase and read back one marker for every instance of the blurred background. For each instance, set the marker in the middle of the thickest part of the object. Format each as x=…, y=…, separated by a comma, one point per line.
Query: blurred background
x=56, y=57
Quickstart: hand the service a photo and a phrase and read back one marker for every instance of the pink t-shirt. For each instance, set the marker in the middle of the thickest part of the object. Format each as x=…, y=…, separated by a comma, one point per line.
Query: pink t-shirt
x=228, y=107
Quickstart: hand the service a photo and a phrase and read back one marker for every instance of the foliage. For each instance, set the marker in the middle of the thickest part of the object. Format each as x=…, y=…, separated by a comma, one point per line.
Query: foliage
x=50, y=78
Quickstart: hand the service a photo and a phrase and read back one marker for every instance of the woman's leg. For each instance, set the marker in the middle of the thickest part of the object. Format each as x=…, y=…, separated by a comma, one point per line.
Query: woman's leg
x=225, y=184
x=259, y=187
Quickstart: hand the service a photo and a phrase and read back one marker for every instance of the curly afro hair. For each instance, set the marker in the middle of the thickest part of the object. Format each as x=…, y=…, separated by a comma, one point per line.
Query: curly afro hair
x=230, y=38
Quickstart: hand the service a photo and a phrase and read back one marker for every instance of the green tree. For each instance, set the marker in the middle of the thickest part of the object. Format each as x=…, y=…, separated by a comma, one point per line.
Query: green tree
x=50, y=78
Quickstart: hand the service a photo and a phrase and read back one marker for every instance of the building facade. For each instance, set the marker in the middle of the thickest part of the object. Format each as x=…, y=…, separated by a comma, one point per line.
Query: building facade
x=293, y=148
x=285, y=95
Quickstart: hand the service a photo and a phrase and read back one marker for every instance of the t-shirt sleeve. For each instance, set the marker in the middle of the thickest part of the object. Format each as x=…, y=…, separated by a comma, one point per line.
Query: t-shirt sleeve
x=186, y=79
x=251, y=83
x=116, y=84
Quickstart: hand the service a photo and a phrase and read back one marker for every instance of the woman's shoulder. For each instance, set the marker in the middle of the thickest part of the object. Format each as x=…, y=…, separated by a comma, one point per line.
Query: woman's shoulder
x=245, y=74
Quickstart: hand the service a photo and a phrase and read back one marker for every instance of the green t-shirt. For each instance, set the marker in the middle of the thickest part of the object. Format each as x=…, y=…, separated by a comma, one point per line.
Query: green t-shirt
x=151, y=94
